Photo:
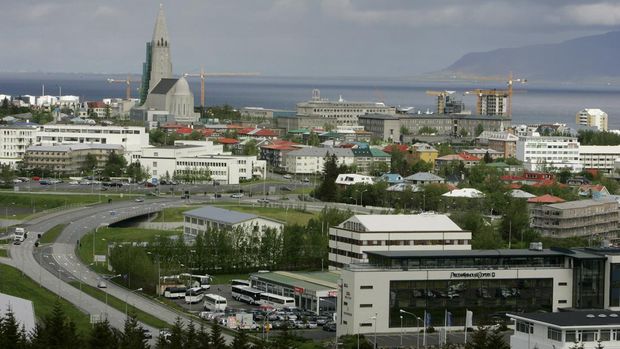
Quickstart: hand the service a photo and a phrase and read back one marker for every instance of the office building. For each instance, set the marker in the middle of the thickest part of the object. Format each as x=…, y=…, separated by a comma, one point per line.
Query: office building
x=350, y=241
x=586, y=218
x=541, y=153
x=68, y=159
x=601, y=158
x=340, y=112
x=14, y=140
x=592, y=118
x=487, y=282
x=132, y=138
x=311, y=160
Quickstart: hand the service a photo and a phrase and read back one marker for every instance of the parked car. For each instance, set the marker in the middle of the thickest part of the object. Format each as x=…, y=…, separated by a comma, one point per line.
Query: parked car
x=237, y=195
x=287, y=176
x=102, y=284
x=147, y=333
x=263, y=201
x=329, y=327
x=139, y=200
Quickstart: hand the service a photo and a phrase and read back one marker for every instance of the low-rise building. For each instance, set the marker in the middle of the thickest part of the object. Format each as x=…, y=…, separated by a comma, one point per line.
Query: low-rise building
x=368, y=160
x=274, y=151
x=200, y=220
x=446, y=160
x=423, y=178
x=68, y=159
x=539, y=153
x=601, y=158
x=132, y=138
x=425, y=152
x=586, y=218
x=312, y=159
x=502, y=141
x=481, y=153
x=349, y=241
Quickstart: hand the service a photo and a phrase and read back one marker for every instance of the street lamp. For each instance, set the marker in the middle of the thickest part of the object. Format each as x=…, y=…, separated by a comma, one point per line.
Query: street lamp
x=417, y=323
x=362, y=197
x=80, y=277
x=401, y=331
x=127, y=298
x=375, y=341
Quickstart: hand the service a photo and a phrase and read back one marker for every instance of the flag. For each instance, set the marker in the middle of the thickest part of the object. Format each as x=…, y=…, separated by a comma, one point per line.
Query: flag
x=469, y=318
x=427, y=321
x=449, y=321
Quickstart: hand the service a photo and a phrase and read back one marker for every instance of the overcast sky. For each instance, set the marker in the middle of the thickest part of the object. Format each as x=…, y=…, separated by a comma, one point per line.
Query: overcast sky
x=286, y=37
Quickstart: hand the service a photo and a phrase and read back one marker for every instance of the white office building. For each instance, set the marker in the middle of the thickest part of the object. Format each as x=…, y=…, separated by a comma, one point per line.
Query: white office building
x=599, y=157
x=311, y=160
x=487, y=282
x=352, y=239
x=341, y=111
x=563, y=330
x=543, y=153
x=132, y=138
x=592, y=118
x=14, y=140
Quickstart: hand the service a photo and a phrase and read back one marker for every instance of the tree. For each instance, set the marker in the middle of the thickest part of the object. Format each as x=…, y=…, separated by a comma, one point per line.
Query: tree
x=249, y=148
x=7, y=175
x=176, y=335
x=427, y=130
x=327, y=190
x=90, y=163
x=487, y=158
x=564, y=175
x=313, y=139
x=478, y=339
x=102, y=336
x=217, y=340
x=495, y=340
x=57, y=331
x=191, y=337
x=240, y=341
x=10, y=334
x=136, y=172
x=479, y=130
x=115, y=166
x=133, y=335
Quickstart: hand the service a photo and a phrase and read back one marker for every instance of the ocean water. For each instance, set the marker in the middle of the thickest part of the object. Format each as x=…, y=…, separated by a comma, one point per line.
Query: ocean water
x=532, y=103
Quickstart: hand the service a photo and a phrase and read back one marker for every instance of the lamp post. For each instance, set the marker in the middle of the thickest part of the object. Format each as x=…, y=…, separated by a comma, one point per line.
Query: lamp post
x=127, y=298
x=375, y=341
x=267, y=318
x=401, y=331
x=417, y=323
x=362, y=197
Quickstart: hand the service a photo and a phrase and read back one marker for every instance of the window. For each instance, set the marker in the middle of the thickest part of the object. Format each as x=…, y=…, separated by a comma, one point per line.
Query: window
x=365, y=305
x=554, y=334
x=570, y=336
x=562, y=301
x=605, y=335
x=524, y=327
x=366, y=287
x=365, y=324
x=588, y=336
x=562, y=283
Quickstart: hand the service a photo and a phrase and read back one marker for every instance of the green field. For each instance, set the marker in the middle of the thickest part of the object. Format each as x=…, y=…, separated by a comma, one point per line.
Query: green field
x=174, y=214
x=13, y=283
x=4, y=253
x=119, y=305
x=85, y=250
x=290, y=216
x=39, y=202
x=52, y=234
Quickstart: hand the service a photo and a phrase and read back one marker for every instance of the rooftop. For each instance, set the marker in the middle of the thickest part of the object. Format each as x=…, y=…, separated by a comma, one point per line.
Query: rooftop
x=545, y=199
x=423, y=176
x=219, y=215
x=71, y=147
x=314, y=151
x=574, y=319
x=309, y=281
x=580, y=204
x=426, y=222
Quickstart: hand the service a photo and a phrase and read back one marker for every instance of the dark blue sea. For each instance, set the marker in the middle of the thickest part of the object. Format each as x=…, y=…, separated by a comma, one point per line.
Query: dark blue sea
x=535, y=103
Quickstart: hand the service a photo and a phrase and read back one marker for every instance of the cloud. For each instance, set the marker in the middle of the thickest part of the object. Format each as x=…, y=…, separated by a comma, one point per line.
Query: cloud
x=598, y=14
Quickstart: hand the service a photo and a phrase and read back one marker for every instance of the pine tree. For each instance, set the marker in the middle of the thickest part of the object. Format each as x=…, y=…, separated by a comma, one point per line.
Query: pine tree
x=478, y=339
x=133, y=335
x=496, y=340
x=241, y=340
x=176, y=335
x=57, y=331
x=191, y=337
x=204, y=338
x=11, y=336
x=102, y=336
x=217, y=340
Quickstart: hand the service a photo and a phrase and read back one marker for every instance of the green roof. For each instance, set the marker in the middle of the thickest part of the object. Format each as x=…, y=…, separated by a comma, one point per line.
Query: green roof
x=379, y=153
x=299, y=130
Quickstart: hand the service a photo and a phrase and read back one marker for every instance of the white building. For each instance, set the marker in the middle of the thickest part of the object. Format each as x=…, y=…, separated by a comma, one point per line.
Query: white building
x=541, y=153
x=343, y=112
x=349, y=241
x=14, y=139
x=311, y=160
x=563, y=330
x=200, y=220
x=22, y=310
x=592, y=118
x=353, y=178
x=69, y=101
x=599, y=157
x=132, y=138
x=489, y=282
x=194, y=159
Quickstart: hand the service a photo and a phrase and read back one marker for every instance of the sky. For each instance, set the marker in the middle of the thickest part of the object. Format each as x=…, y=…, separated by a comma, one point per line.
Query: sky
x=319, y=38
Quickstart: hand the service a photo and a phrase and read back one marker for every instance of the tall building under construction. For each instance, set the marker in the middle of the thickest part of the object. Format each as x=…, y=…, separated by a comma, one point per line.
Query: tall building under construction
x=492, y=102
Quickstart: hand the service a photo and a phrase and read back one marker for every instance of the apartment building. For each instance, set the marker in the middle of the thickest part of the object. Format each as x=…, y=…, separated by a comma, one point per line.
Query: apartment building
x=540, y=153
x=14, y=140
x=592, y=118
x=503, y=142
x=349, y=241
x=589, y=218
x=599, y=157
x=67, y=159
x=312, y=160
x=132, y=138
x=343, y=112
x=367, y=159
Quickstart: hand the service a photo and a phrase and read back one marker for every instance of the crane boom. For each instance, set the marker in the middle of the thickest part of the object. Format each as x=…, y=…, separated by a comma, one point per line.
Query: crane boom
x=125, y=81
x=203, y=75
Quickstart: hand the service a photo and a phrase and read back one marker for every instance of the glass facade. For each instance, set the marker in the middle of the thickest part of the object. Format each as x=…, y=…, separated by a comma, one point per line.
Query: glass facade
x=614, y=285
x=493, y=262
x=486, y=298
x=588, y=283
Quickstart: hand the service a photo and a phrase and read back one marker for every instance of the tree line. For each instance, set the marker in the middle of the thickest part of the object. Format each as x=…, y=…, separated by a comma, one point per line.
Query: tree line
x=224, y=251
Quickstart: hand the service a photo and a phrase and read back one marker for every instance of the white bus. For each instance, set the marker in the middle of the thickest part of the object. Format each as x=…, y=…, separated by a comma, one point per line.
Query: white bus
x=213, y=302
x=277, y=301
x=239, y=282
x=194, y=295
x=246, y=294
x=174, y=292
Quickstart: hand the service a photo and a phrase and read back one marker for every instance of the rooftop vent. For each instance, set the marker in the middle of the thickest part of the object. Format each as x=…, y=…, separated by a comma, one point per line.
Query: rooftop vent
x=613, y=315
x=590, y=315
x=536, y=246
x=602, y=315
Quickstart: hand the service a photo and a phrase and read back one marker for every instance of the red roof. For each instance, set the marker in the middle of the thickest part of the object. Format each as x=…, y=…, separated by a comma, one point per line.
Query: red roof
x=208, y=132
x=97, y=104
x=545, y=199
x=548, y=182
x=592, y=187
x=184, y=131
x=224, y=140
x=173, y=126
x=468, y=157
x=400, y=147
x=514, y=186
x=266, y=133
x=281, y=145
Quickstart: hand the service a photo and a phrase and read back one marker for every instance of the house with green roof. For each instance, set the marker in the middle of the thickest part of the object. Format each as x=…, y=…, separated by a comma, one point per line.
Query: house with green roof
x=367, y=159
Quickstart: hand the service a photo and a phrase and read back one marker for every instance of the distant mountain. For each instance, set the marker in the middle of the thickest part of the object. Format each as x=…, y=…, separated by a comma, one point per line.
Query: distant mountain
x=590, y=58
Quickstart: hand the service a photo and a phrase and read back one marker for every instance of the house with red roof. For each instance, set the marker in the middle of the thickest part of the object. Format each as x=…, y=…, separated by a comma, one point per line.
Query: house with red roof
x=531, y=178
x=593, y=190
x=399, y=147
x=226, y=141
x=446, y=160
x=545, y=199
x=254, y=132
x=274, y=151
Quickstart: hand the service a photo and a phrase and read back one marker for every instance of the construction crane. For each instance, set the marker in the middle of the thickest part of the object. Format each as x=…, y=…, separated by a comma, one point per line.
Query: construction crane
x=203, y=75
x=494, y=96
x=127, y=82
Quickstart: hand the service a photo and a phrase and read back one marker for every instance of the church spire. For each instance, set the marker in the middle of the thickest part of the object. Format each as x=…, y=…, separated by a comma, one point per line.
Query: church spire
x=161, y=63
x=160, y=32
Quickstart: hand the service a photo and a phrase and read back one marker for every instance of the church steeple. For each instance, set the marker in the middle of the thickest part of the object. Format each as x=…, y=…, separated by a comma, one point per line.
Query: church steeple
x=161, y=64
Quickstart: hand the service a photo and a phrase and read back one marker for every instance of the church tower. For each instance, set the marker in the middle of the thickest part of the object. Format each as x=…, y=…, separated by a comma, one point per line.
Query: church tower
x=161, y=65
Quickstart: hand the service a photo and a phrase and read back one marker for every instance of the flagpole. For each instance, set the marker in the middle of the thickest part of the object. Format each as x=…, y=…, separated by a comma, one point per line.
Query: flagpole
x=424, y=335
x=466, y=323
x=445, y=325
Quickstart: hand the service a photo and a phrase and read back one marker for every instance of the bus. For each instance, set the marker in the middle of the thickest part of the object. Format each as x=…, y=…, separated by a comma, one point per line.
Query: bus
x=239, y=282
x=213, y=302
x=194, y=295
x=174, y=292
x=276, y=301
x=202, y=280
x=246, y=294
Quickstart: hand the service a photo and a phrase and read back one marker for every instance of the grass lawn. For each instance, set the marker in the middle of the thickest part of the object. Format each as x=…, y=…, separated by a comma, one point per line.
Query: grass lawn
x=118, y=304
x=12, y=282
x=52, y=234
x=47, y=201
x=174, y=214
x=85, y=251
x=4, y=253
x=224, y=279
x=289, y=216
